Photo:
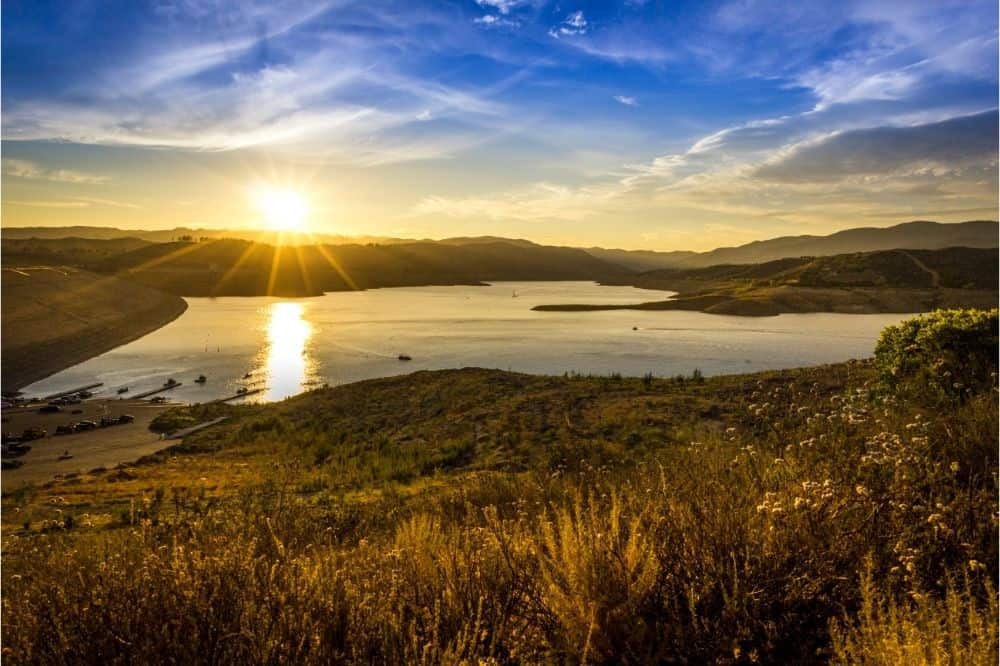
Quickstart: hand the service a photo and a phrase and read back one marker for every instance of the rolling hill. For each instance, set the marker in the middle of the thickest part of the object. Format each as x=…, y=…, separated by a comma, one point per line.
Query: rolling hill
x=922, y=235
x=869, y=282
x=919, y=235
x=242, y=268
x=73, y=250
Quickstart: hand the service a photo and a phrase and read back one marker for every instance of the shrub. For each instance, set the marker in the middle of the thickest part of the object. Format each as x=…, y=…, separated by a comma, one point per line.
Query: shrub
x=958, y=629
x=946, y=354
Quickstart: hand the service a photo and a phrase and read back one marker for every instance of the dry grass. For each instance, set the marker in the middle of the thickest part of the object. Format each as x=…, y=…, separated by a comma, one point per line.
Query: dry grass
x=583, y=520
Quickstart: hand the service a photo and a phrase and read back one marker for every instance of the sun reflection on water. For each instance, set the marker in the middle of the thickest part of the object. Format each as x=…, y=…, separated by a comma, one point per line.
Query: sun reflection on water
x=288, y=364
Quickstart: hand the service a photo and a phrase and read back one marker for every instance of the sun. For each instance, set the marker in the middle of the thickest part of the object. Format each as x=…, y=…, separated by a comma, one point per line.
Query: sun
x=283, y=209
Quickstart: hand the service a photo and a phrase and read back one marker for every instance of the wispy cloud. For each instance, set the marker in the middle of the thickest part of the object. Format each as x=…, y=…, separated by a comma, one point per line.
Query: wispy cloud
x=496, y=21
x=107, y=202
x=947, y=146
x=27, y=169
x=502, y=6
x=626, y=100
x=575, y=23
x=46, y=204
x=344, y=99
x=74, y=202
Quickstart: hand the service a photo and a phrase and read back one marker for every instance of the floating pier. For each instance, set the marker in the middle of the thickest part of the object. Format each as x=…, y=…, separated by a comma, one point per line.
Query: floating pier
x=241, y=395
x=184, y=432
x=157, y=390
x=72, y=391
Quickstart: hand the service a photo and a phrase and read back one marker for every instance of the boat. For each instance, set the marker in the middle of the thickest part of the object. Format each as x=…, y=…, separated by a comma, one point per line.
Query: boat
x=123, y=389
x=66, y=455
x=170, y=382
x=242, y=390
x=405, y=357
x=201, y=379
x=248, y=375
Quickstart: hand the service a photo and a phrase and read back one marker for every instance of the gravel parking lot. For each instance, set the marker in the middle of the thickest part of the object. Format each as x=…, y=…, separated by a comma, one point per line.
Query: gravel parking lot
x=103, y=447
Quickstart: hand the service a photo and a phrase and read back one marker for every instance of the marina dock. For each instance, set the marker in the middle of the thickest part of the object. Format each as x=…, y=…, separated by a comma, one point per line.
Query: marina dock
x=72, y=391
x=157, y=390
x=240, y=395
x=183, y=432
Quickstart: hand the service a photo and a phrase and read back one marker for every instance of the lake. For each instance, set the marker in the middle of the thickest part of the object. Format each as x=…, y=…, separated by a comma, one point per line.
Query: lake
x=286, y=346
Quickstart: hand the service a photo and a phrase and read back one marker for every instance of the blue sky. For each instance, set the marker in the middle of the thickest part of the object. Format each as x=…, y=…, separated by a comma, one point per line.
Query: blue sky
x=655, y=125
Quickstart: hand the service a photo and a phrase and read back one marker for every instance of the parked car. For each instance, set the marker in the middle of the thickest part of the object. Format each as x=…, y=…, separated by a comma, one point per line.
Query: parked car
x=33, y=433
x=50, y=408
x=126, y=418
x=85, y=425
x=65, y=429
x=14, y=450
x=108, y=421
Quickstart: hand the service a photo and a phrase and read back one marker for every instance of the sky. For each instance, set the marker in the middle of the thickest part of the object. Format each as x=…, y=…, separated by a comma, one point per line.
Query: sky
x=643, y=125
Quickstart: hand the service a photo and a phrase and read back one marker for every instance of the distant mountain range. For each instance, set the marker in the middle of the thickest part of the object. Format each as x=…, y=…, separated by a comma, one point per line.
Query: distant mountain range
x=180, y=233
x=917, y=235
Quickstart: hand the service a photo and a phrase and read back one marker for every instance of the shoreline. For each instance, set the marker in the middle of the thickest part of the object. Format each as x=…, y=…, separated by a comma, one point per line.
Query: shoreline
x=775, y=301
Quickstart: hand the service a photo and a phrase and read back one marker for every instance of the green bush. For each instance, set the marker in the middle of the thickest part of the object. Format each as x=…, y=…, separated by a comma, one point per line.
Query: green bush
x=947, y=354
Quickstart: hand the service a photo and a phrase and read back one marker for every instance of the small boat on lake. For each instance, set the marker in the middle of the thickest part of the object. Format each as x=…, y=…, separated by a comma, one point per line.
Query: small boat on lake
x=201, y=379
x=248, y=375
x=170, y=382
x=123, y=389
x=405, y=357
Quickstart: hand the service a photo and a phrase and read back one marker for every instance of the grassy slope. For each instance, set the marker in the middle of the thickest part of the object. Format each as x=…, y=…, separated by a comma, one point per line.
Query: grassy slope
x=56, y=317
x=885, y=281
x=471, y=513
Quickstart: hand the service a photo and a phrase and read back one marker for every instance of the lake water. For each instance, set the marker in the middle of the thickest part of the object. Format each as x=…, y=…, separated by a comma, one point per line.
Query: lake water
x=290, y=345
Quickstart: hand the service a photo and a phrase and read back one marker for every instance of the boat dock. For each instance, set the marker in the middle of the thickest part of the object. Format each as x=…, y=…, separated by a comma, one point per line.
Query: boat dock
x=72, y=391
x=157, y=390
x=183, y=432
x=240, y=395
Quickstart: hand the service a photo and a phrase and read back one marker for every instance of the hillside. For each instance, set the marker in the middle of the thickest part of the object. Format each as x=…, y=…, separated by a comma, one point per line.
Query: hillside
x=480, y=516
x=242, y=268
x=870, y=282
x=919, y=235
x=56, y=317
x=914, y=235
x=73, y=251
